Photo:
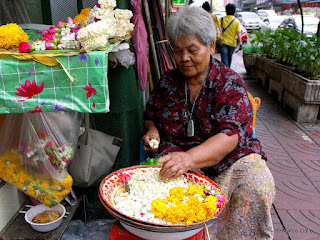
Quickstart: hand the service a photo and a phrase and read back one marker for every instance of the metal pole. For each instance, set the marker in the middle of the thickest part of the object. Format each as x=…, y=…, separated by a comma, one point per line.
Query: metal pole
x=167, y=10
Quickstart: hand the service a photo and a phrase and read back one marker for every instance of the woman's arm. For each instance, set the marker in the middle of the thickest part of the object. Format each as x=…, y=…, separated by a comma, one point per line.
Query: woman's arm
x=207, y=154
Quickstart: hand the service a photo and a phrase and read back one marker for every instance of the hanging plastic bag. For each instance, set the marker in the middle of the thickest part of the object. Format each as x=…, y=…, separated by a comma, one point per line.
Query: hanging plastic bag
x=33, y=157
x=69, y=124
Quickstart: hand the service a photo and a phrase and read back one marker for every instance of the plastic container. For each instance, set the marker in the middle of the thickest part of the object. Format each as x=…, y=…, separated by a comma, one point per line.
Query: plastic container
x=44, y=227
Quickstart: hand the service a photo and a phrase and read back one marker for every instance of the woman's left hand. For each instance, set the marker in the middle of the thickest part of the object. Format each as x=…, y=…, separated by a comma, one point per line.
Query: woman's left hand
x=175, y=164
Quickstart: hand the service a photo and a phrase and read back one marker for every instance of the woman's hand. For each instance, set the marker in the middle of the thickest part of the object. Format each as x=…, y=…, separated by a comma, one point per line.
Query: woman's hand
x=151, y=134
x=175, y=164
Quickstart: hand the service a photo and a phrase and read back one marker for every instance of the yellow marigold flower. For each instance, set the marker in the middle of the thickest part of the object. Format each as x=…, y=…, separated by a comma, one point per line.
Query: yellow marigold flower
x=210, y=204
x=30, y=190
x=174, y=214
x=36, y=185
x=82, y=16
x=173, y=199
x=11, y=35
x=185, y=210
x=158, y=207
x=178, y=192
x=195, y=190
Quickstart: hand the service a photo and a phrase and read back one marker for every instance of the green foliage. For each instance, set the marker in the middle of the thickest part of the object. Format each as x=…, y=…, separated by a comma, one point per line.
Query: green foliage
x=150, y=161
x=290, y=48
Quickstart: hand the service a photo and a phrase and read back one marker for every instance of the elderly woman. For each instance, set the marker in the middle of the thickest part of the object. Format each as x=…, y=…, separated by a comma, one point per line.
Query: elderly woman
x=201, y=115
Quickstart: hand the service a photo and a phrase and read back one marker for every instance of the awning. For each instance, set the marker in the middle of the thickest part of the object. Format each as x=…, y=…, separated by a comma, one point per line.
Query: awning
x=311, y=4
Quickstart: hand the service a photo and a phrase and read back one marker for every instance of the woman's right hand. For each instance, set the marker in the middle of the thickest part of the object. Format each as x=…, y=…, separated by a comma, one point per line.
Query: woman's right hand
x=151, y=134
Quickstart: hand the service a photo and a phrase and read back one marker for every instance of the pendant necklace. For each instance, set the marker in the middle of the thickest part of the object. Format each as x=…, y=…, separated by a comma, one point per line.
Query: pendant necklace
x=190, y=126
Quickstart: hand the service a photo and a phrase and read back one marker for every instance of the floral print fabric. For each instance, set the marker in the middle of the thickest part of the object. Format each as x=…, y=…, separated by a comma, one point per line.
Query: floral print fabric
x=249, y=189
x=222, y=106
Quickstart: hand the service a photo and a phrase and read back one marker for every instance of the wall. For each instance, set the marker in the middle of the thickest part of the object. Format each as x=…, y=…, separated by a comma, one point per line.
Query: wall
x=11, y=199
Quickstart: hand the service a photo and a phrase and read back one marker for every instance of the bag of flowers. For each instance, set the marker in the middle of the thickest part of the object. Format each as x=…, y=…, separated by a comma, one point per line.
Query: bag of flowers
x=34, y=156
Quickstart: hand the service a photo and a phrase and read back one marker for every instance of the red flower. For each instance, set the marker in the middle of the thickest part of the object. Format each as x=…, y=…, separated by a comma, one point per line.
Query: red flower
x=90, y=90
x=29, y=89
x=36, y=109
x=43, y=134
x=24, y=47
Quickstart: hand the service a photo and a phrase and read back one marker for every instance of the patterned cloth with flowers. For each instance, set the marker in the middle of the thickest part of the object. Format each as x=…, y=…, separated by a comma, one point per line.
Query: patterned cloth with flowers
x=30, y=86
x=67, y=68
x=34, y=156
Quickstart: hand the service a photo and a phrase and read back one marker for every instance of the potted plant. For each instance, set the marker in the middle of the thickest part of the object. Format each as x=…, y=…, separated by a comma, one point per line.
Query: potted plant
x=289, y=63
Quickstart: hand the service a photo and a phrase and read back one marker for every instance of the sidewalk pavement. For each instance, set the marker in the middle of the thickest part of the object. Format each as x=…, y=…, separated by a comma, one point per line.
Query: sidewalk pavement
x=293, y=152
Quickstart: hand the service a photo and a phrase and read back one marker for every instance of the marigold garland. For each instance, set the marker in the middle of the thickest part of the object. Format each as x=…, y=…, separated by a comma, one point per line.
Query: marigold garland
x=47, y=190
x=185, y=205
x=11, y=35
x=82, y=16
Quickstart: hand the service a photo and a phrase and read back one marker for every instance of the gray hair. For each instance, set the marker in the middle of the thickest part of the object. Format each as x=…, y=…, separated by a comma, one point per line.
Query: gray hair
x=191, y=20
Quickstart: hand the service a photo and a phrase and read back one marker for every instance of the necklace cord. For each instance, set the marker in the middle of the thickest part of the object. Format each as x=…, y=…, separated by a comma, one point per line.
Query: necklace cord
x=186, y=95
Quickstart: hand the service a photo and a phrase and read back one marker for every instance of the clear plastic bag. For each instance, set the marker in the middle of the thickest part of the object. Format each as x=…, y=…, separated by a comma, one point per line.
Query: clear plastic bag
x=33, y=157
x=69, y=124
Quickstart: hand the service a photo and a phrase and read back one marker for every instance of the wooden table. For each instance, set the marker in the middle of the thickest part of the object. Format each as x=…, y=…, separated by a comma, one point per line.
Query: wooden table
x=18, y=228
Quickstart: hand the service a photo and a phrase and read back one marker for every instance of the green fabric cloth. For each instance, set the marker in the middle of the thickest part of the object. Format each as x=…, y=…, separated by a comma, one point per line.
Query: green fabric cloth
x=33, y=34
x=125, y=121
x=87, y=93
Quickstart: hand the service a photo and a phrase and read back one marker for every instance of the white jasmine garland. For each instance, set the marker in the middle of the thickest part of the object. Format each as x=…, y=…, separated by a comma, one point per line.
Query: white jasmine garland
x=103, y=14
x=68, y=41
x=96, y=43
x=124, y=28
x=103, y=23
x=123, y=14
x=144, y=188
x=39, y=45
x=96, y=35
x=110, y=4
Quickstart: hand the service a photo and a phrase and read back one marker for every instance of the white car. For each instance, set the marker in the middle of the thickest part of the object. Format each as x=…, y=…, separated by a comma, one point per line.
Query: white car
x=266, y=13
x=272, y=23
x=310, y=25
x=250, y=20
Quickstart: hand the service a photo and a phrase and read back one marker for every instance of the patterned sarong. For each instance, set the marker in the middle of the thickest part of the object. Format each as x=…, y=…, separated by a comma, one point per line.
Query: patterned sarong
x=249, y=190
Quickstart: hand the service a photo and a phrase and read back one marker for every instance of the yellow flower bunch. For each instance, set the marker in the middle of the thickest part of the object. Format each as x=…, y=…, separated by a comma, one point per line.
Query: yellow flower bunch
x=184, y=205
x=47, y=190
x=82, y=16
x=11, y=35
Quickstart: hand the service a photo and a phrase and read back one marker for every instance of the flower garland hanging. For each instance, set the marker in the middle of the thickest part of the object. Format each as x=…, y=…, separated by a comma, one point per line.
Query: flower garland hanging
x=46, y=189
x=92, y=29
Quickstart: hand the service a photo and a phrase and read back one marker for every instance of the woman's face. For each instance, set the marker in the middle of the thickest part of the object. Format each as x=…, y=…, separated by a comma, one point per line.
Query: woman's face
x=192, y=57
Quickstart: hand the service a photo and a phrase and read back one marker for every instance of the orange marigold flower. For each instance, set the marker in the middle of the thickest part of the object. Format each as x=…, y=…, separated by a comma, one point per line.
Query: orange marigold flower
x=82, y=16
x=11, y=35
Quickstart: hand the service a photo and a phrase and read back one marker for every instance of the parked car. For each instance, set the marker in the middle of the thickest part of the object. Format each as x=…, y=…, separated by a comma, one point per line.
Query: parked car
x=266, y=13
x=294, y=22
x=272, y=23
x=250, y=20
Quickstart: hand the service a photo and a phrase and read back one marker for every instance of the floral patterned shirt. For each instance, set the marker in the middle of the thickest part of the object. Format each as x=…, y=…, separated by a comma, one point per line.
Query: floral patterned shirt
x=223, y=106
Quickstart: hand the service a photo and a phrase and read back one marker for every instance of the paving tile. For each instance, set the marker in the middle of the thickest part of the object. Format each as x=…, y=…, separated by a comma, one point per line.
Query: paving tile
x=282, y=168
x=317, y=185
x=296, y=195
x=310, y=167
x=293, y=151
x=300, y=225
x=279, y=233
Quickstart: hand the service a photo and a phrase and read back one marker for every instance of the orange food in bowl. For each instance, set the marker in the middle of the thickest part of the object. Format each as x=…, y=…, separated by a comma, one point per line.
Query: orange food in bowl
x=46, y=217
